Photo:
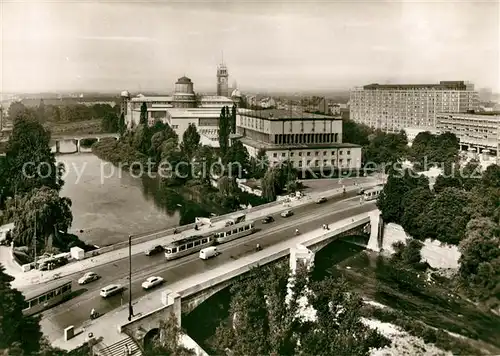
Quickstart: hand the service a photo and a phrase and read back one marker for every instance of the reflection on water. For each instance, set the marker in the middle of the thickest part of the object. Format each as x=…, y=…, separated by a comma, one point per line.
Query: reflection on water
x=109, y=204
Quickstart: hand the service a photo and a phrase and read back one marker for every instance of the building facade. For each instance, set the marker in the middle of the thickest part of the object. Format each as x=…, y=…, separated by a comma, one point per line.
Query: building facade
x=306, y=140
x=475, y=131
x=182, y=108
x=394, y=107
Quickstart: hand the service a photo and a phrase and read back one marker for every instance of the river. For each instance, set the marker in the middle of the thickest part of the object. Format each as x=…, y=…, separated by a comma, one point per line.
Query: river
x=109, y=204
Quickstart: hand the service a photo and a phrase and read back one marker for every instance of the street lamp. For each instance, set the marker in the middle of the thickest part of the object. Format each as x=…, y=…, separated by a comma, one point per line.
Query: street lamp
x=130, y=309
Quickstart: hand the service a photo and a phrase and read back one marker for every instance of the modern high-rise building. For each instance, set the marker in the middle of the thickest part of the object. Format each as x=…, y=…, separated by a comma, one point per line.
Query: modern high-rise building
x=394, y=107
x=222, y=80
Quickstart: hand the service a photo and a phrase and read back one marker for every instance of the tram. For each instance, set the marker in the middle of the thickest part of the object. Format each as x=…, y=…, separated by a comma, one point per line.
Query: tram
x=195, y=243
x=49, y=295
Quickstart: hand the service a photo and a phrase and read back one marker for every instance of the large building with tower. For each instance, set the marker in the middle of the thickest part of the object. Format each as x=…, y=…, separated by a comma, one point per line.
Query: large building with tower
x=183, y=107
x=394, y=107
x=306, y=140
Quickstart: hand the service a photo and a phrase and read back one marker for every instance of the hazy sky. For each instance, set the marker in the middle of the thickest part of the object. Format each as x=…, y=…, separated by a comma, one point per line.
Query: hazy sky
x=145, y=45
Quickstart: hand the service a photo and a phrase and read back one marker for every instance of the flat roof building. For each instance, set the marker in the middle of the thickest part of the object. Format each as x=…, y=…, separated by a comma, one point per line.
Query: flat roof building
x=304, y=139
x=394, y=107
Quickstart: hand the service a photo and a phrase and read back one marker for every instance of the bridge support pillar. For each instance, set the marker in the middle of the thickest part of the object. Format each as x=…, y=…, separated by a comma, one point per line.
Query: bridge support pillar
x=377, y=229
x=169, y=297
x=301, y=255
x=77, y=145
x=58, y=147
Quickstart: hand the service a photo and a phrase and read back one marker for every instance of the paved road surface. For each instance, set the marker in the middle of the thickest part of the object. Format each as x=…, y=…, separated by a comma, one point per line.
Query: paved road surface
x=76, y=311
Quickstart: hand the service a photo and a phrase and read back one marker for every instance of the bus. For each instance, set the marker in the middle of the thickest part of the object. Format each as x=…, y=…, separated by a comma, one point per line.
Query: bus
x=233, y=232
x=47, y=296
x=373, y=193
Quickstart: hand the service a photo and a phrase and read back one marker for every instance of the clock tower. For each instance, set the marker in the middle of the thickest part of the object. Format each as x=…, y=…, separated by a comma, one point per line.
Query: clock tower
x=222, y=80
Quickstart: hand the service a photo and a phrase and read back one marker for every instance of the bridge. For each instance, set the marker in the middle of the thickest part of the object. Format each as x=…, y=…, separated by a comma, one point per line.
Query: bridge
x=77, y=139
x=189, y=291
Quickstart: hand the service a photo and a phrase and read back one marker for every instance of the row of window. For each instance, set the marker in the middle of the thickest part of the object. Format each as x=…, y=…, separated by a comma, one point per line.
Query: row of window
x=325, y=163
x=316, y=153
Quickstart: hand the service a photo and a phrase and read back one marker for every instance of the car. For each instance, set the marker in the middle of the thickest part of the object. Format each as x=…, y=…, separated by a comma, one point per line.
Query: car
x=287, y=213
x=267, y=220
x=110, y=290
x=88, y=277
x=321, y=200
x=361, y=191
x=154, y=250
x=152, y=282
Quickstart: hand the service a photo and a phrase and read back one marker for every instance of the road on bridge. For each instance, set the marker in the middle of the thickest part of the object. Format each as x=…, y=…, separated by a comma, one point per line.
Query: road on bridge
x=76, y=311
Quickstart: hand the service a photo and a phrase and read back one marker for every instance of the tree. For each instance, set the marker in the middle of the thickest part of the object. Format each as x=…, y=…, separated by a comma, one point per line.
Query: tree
x=29, y=160
x=190, y=141
x=237, y=159
x=121, y=124
x=491, y=177
x=447, y=182
x=167, y=342
x=142, y=139
x=204, y=167
x=446, y=217
x=224, y=131
x=14, y=326
x=390, y=201
x=41, y=112
x=414, y=203
x=258, y=165
x=269, y=186
x=228, y=186
x=15, y=109
x=110, y=122
x=480, y=260
x=42, y=214
x=143, y=120
x=355, y=133
x=233, y=119
x=386, y=149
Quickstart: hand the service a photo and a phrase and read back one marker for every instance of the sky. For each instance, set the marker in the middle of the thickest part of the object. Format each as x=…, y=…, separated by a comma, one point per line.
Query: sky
x=289, y=45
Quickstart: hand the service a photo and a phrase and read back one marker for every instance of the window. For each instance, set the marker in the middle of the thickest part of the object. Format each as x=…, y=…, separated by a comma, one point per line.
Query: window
x=308, y=162
x=300, y=163
x=316, y=163
x=324, y=162
x=291, y=154
x=190, y=245
x=174, y=250
x=283, y=154
x=42, y=298
x=300, y=154
x=275, y=154
x=316, y=153
x=204, y=241
x=228, y=233
x=308, y=153
x=50, y=295
x=324, y=153
x=340, y=161
x=348, y=153
x=333, y=162
x=182, y=248
x=197, y=243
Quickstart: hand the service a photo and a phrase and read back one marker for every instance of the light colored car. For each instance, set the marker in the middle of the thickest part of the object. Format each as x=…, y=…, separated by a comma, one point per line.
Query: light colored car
x=321, y=200
x=88, y=277
x=152, y=282
x=110, y=290
x=287, y=213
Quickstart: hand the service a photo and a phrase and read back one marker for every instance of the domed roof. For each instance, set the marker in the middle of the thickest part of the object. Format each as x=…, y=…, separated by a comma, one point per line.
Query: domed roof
x=184, y=80
x=125, y=93
x=236, y=94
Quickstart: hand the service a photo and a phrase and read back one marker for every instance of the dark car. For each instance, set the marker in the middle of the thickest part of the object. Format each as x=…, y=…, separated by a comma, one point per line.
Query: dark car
x=267, y=220
x=154, y=250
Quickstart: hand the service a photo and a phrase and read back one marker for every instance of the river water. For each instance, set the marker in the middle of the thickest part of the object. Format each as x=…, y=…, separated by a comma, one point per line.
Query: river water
x=109, y=204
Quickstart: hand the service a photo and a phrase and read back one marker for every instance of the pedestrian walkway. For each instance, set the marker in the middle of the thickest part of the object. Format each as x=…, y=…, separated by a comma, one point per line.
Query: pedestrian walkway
x=35, y=277
x=107, y=325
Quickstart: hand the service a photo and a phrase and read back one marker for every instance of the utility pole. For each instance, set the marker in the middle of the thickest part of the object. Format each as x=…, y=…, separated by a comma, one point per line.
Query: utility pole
x=130, y=309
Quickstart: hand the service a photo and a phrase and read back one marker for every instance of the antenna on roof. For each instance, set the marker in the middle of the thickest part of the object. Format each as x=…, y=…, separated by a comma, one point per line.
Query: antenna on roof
x=222, y=56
